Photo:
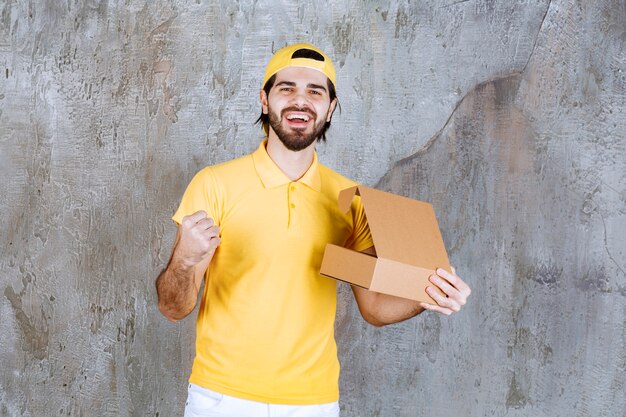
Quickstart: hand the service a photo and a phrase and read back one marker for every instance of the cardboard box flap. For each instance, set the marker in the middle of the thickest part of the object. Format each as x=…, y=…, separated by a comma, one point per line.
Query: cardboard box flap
x=345, y=198
x=348, y=265
x=403, y=229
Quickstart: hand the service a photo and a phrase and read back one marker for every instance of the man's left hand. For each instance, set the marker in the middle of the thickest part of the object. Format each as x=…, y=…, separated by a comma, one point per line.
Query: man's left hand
x=455, y=292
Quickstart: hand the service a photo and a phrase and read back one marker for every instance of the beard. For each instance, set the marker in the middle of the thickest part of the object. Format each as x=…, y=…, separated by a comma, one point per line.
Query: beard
x=296, y=139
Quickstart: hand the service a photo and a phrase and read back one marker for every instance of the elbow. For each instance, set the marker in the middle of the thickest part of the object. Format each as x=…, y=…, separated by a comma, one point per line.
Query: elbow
x=167, y=313
x=382, y=310
x=172, y=314
x=171, y=305
x=374, y=320
x=382, y=318
x=372, y=315
x=376, y=323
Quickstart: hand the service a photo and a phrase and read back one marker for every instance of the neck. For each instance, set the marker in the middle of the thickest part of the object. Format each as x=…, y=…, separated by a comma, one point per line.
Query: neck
x=293, y=164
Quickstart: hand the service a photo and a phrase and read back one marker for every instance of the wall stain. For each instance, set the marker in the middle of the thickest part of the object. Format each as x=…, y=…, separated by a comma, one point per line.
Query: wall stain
x=406, y=25
x=429, y=336
x=597, y=280
x=34, y=329
x=164, y=27
x=548, y=275
x=171, y=102
x=98, y=313
x=342, y=41
x=126, y=332
x=530, y=345
x=516, y=397
x=383, y=13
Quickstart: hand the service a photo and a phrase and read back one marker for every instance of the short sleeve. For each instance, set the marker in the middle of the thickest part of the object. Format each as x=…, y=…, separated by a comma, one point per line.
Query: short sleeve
x=201, y=194
x=361, y=238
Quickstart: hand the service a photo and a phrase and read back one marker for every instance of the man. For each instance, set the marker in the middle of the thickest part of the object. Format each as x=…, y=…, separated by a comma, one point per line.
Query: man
x=254, y=230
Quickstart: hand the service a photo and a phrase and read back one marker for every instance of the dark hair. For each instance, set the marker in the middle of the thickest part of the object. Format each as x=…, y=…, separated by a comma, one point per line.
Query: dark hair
x=264, y=119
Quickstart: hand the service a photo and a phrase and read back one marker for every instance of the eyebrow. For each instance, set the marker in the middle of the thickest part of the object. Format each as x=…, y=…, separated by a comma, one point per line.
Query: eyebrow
x=316, y=86
x=309, y=85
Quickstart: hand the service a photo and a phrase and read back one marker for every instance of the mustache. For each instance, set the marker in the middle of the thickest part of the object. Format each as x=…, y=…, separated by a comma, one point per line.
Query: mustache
x=307, y=110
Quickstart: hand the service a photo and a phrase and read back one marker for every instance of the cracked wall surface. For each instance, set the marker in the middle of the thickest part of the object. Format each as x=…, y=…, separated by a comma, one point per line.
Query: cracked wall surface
x=508, y=116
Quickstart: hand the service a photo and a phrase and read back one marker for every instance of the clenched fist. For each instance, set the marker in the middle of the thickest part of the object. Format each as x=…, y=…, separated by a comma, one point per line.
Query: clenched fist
x=199, y=237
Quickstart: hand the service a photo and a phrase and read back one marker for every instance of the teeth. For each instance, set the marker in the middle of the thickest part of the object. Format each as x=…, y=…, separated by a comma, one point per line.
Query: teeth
x=298, y=116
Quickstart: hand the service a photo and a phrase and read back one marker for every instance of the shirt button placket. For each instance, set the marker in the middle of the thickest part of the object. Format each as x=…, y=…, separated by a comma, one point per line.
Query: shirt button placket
x=292, y=204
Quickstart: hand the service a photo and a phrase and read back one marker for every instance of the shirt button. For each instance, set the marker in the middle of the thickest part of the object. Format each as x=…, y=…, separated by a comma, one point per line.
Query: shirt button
x=293, y=205
x=293, y=188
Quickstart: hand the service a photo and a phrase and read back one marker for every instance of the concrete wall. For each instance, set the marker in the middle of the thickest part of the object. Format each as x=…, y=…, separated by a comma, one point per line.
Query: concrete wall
x=509, y=116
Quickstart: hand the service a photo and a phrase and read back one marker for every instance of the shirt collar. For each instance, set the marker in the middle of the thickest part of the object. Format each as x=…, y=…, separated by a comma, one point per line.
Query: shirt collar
x=271, y=176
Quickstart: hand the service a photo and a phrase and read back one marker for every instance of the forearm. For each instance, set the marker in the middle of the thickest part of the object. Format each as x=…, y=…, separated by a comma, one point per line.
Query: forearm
x=382, y=309
x=179, y=283
x=177, y=290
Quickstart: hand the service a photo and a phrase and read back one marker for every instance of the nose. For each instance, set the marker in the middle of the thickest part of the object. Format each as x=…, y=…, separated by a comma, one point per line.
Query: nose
x=300, y=99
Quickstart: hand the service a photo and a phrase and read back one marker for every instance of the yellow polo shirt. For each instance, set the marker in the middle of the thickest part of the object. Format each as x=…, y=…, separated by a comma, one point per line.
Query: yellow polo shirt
x=265, y=329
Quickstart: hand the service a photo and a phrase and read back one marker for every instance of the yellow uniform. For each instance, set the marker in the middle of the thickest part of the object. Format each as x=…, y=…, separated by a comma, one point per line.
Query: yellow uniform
x=265, y=329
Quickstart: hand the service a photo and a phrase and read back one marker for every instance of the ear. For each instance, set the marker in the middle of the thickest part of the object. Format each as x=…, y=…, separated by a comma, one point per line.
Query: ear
x=263, y=98
x=331, y=109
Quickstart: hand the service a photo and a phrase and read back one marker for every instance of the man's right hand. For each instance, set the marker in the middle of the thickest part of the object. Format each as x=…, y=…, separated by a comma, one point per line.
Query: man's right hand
x=179, y=283
x=199, y=238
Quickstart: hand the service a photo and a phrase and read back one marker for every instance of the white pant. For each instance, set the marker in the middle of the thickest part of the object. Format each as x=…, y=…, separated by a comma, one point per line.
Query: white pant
x=202, y=402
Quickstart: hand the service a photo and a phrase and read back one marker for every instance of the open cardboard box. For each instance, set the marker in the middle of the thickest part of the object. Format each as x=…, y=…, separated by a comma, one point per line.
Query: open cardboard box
x=408, y=243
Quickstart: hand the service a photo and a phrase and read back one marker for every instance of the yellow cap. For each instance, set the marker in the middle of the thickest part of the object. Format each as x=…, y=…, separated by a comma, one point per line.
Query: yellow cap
x=297, y=56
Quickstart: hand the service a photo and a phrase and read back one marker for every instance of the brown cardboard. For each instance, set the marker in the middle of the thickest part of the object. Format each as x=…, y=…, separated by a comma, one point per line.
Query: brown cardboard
x=408, y=244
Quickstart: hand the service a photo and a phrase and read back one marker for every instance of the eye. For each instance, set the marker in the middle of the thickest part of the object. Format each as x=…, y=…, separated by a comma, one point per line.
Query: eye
x=316, y=92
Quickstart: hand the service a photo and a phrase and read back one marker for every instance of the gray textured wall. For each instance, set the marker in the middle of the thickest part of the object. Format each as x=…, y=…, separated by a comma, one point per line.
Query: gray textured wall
x=509, y=116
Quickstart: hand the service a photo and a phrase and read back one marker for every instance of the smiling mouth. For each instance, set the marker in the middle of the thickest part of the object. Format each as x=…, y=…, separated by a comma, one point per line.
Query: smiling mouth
x=298, y=118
